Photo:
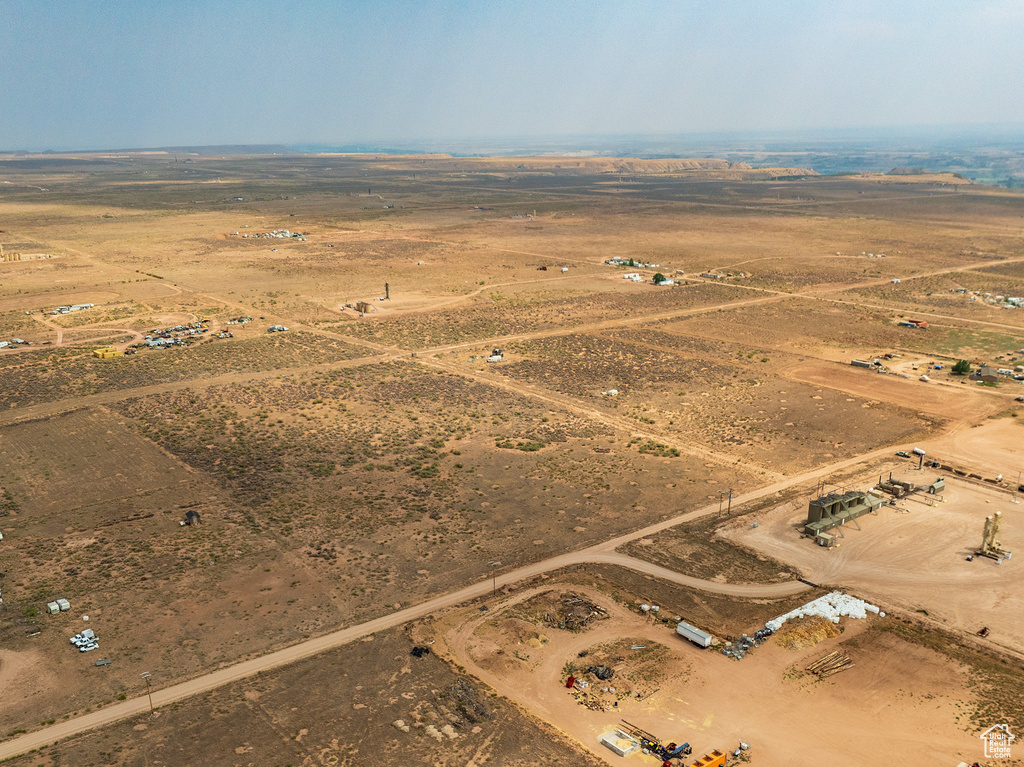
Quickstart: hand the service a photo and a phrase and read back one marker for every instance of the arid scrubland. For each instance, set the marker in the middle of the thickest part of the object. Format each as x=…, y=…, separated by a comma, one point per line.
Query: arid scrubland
x=370, y=457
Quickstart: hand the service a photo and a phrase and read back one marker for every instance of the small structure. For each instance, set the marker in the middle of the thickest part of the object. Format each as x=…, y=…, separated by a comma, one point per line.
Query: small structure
x=497, y=355
x=986, y=375
x=106, y=353
x=52, y=608
x=836, y=509
x=192, y=518
x=920, y=324
x=622, y=743
x=364, y=308
x=861, y=363
x=64, y=605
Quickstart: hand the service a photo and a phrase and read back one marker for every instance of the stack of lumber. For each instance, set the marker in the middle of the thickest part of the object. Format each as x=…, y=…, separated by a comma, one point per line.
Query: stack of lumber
x=832, y=663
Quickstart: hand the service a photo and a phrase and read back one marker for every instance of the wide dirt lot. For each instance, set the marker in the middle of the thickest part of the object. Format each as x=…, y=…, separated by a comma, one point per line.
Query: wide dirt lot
x=914, y=555
x=916, y=702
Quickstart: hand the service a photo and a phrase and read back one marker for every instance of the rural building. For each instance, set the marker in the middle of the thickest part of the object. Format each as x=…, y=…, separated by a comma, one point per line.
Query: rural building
x=364, y=308
x=837, y=509
x=987, y=374
x=106, y=352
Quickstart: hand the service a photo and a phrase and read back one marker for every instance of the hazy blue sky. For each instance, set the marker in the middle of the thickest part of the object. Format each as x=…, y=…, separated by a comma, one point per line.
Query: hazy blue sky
x=139, y=73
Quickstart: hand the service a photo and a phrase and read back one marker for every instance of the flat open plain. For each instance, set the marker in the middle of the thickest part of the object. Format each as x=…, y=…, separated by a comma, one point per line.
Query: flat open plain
x=367, y=460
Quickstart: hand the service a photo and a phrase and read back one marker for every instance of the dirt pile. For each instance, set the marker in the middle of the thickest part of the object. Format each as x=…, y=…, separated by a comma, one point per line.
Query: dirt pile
x=807, y=632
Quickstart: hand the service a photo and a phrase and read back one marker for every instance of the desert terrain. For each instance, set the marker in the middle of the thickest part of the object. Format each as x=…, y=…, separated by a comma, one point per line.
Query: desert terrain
x=375, y=466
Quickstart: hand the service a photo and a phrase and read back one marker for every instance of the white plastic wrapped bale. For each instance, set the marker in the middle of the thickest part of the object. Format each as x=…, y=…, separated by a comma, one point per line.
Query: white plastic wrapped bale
x=832, y=606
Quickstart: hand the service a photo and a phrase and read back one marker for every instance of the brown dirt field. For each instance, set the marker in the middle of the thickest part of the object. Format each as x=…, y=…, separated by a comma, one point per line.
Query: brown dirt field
x=968, y=402
x=921, y=692
x=360, y=692
x=994, y=447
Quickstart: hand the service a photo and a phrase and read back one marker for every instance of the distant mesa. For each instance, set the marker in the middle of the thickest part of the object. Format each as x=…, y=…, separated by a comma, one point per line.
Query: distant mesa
x=908, y=172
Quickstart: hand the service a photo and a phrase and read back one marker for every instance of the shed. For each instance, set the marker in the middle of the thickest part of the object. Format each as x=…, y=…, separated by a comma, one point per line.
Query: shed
x=987, y=374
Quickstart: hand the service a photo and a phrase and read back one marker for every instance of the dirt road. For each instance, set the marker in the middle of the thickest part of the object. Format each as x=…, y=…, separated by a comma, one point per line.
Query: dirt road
x=603, y=553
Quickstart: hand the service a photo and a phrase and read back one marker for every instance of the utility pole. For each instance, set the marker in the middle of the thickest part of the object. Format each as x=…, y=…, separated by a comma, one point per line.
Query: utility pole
x=149, y=690
x=1016, y=489
x=494, y=577
x=729, y=510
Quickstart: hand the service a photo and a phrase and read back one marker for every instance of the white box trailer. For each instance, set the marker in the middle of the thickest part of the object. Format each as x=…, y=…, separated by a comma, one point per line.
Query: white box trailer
x=694, y=634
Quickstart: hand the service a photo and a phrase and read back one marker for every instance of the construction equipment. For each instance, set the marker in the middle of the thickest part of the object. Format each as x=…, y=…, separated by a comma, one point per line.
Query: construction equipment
x=651, y=744
x=991, y=546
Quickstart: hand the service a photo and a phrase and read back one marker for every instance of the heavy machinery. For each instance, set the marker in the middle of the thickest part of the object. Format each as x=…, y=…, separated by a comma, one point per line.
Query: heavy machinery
x=651, y=744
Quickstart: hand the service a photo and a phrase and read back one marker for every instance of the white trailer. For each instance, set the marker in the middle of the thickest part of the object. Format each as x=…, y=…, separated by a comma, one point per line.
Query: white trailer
x=694, y=634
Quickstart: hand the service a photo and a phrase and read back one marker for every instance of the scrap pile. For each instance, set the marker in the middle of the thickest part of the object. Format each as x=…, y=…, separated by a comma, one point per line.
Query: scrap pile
x=574, y=613
x=461, y=703
x=832, y=663
x=589, y=700
x=741, y=646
